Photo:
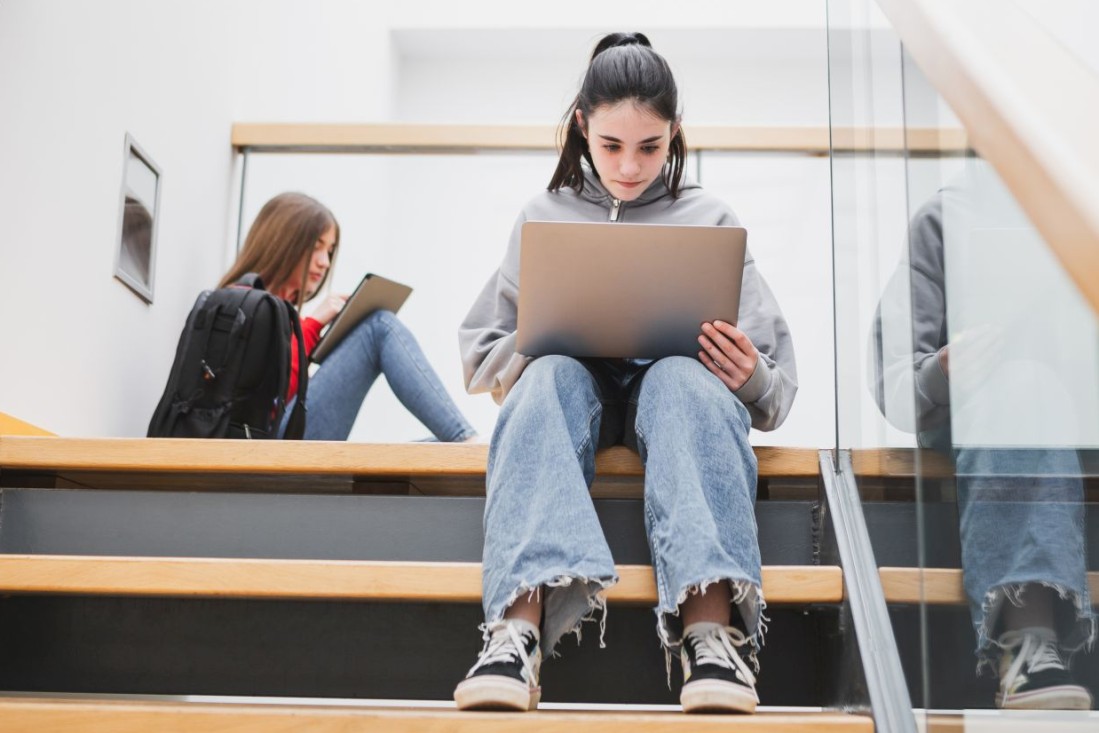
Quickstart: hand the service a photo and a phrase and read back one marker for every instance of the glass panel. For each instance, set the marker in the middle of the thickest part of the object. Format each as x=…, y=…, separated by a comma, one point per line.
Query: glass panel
x=874, y=397
x=406, y=217
x=1006, y=366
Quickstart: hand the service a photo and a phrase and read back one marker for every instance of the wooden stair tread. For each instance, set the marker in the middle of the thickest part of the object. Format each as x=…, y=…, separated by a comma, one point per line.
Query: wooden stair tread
x=45, y=715
x=315, y=457
x=339, y=579
x=335, y=458
x=938, y=586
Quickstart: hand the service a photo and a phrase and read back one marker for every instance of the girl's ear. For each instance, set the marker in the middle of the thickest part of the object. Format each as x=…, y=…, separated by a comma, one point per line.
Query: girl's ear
x=580, y=124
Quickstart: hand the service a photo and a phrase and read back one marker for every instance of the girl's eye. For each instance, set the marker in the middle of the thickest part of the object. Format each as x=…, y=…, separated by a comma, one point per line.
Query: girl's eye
x=611, y=147
x=649, y=149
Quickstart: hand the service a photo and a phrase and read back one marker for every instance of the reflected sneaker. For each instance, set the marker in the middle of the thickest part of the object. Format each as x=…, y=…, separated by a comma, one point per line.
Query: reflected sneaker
x=505, y=676
x=716, y=679
x=1034, y=677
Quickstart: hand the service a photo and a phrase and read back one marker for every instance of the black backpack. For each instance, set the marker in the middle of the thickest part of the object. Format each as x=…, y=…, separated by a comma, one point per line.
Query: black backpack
x=232, y=368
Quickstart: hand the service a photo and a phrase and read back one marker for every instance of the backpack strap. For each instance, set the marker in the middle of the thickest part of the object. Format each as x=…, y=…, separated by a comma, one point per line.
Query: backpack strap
x=160, y=426
x=295, y=425
x=251, y=280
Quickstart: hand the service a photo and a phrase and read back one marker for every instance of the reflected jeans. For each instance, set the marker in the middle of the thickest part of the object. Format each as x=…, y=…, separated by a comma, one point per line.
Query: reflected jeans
x=1022, y=522
x=541, y=528
x=380, y=344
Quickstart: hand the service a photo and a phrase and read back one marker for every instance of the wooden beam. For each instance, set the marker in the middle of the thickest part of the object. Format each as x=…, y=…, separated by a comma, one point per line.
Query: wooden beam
x=339, y=579
x=315, y=457
x=900, y=463
x=424, y=138
x=938, y=586
x=1030, y=107
x=44, y=715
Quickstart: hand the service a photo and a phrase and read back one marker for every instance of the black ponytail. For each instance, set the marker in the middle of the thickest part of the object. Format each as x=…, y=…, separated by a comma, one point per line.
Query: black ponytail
x=623, y=66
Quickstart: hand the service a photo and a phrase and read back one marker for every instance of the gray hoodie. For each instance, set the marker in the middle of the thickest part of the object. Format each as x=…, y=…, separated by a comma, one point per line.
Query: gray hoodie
x=487, y=335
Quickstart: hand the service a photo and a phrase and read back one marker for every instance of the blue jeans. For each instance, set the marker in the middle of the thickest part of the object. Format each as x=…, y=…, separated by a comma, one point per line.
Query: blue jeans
x=380, y=344
x=541, y=528
x=1022, y=522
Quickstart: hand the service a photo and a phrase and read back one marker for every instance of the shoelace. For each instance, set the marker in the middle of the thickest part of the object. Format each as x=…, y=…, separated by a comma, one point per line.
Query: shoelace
x=1036, y=653
x=505, y=644
x=719, y=646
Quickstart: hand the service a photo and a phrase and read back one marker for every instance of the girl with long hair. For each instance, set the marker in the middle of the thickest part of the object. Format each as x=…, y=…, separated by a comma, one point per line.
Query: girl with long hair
x=546, y=561
x=292, y=245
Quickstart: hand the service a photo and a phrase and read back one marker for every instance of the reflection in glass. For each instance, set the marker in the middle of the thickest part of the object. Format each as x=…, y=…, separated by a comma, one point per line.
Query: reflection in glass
x=1001, y=352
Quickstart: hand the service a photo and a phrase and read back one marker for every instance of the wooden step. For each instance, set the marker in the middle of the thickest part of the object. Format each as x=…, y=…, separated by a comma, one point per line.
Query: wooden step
x=939, y=586
x=430, y=468
x=57, y=716
x=310, y=466
x=314, y=457
x=333, y=579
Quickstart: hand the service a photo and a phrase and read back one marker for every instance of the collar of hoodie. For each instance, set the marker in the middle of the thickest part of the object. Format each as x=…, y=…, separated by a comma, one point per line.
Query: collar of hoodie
x=596, y=192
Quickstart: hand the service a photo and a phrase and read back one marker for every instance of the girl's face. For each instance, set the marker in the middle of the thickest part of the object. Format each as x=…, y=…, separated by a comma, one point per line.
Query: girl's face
x=629, y=146
x=316, y=267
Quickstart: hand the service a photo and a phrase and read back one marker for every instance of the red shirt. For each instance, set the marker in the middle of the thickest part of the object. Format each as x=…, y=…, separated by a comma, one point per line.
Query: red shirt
x=311, y=333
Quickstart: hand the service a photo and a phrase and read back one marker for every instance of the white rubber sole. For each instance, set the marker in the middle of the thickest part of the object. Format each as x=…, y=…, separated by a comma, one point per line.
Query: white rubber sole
x=1063, y=697
x=716, y=696
x=491, y=692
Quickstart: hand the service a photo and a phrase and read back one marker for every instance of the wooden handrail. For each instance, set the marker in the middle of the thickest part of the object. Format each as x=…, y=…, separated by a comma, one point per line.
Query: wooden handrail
x=339, y=579
x=425, y=138
x=1030, y=108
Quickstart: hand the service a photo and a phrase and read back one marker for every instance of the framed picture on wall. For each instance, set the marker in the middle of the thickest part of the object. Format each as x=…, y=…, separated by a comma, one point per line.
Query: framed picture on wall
x=138, y=206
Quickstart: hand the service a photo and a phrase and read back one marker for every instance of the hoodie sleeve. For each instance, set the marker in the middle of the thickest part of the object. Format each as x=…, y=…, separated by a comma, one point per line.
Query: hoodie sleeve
x=487, y=335
x=769, y=392
x=909, y=330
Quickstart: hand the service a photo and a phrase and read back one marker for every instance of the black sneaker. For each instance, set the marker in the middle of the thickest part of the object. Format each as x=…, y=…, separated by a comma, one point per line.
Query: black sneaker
x=716, y=679
x=1034, y=677
x=505, y=676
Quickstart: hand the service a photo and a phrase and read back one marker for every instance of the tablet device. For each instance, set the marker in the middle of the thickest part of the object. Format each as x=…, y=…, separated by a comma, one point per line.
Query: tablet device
x=373, y=293
x=625, y=290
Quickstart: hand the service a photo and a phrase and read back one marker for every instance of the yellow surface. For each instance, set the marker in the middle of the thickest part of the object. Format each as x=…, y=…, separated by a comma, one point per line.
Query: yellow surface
x=14, y=426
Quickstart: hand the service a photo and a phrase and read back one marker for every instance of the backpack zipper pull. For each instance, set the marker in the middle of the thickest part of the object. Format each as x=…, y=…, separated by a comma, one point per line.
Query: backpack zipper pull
x=207, y=373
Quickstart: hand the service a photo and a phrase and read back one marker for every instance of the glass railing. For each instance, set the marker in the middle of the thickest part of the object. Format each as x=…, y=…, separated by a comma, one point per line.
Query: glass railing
x=441, y=222
x=968, y=385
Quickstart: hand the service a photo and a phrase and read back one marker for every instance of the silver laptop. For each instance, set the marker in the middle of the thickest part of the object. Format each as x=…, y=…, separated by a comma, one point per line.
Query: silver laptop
x=625, y=290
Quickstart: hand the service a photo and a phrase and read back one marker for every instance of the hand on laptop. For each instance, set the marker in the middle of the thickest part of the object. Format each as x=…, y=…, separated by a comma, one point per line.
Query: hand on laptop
x=328, y=308
x=728, y=353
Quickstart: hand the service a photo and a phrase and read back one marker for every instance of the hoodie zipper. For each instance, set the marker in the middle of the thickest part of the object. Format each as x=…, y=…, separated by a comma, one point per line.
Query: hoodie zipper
x=615, y=204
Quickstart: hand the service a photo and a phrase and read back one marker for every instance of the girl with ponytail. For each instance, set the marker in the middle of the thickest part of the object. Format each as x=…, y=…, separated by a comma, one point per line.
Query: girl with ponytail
x=546, y=561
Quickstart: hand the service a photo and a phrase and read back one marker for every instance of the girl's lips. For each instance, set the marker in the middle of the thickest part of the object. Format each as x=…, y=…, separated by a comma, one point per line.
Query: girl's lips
x=628, y=184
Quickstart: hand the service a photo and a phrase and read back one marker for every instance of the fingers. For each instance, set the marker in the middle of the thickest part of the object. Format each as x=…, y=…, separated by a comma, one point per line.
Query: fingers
x=725, y=342
x=728, y=353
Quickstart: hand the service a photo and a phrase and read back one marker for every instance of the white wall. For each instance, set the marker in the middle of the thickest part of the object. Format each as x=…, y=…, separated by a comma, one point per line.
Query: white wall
x=83, y=355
